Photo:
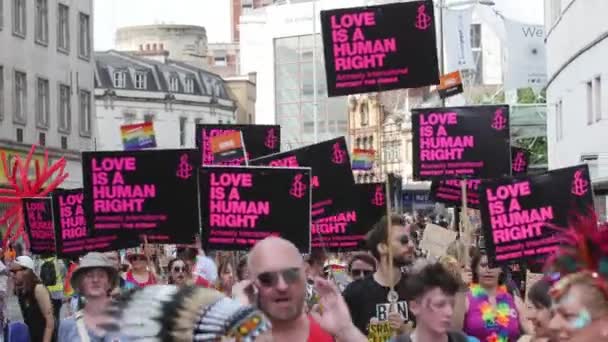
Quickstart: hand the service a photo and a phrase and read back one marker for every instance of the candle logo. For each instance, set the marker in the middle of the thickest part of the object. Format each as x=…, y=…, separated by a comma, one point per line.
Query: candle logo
x=423, y=20
x=378, y=199
x=271, y=139
x=184, y=170
x=519, y=163
x=580, y=186
x=499, y=122
x=298, y=188
x=338, y=155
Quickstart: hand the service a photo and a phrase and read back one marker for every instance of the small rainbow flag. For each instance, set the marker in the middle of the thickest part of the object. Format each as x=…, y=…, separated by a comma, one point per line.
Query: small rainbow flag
x=363, y=159
x=138, y=136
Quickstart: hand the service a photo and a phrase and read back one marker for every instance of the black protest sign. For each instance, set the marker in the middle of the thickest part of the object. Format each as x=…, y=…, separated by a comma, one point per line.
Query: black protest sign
x=242, y=205
x=38, y=220
x=516, y=211
x=73, y=239
x=520, y=160
x=332, y=176
x=345, y=230
x=228, y=148
x=142, y=192
x=461, y=142
x=375, y=48
x=449, y=192
x=259, y=141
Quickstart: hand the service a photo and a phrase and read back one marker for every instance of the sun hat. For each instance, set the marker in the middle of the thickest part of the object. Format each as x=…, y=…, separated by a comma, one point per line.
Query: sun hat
x=25, y=262
x=90, y=261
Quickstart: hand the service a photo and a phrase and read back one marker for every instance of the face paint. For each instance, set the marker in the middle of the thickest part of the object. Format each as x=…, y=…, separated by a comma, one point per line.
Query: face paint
x=582, y=320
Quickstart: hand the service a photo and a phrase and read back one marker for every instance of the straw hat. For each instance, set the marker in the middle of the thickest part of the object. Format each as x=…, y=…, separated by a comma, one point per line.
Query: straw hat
x=90, y=261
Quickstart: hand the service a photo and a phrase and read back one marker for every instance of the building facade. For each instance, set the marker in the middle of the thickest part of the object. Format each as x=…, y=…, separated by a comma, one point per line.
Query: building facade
x=223, y=59
x=577, y=120
x=173, y=95
x=184, y=43
x=46, y=81
x=243, y=90
x=365, y=122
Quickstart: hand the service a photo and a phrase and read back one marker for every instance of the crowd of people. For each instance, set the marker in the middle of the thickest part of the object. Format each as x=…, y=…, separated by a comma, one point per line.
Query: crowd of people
x=273, y=293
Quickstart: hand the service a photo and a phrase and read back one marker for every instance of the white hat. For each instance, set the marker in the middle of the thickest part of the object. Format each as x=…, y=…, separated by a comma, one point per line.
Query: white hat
x=25, y=262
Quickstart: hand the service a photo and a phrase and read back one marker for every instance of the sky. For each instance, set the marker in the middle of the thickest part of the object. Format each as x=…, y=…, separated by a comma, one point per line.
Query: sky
x=214, y=15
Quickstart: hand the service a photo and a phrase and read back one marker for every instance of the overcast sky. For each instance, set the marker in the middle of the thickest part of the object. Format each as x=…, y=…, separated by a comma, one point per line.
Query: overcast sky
x=214, y=15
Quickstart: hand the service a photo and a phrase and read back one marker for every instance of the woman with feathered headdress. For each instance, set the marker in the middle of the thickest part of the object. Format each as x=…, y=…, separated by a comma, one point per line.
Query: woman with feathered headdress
x=579, y=273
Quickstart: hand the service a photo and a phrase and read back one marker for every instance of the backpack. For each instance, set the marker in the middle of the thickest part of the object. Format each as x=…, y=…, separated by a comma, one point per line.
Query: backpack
x=48, y=275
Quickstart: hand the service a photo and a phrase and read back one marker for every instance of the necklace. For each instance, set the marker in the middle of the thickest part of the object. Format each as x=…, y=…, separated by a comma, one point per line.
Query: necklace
x=497, y=317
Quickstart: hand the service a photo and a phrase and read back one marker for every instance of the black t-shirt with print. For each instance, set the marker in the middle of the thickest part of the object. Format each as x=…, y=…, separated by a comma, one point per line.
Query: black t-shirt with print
x=366, y=299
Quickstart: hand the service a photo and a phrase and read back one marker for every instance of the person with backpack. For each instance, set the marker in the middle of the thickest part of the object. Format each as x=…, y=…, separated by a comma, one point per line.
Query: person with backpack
x=431, y=297
x=51, y=275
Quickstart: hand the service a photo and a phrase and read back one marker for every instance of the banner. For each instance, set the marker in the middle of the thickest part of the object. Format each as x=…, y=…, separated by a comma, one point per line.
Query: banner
x=143, y=192
x=457, y=142
x=526, y=56
x=73, y=239
x=436, y=239
x=346, y=230
x=457, y=38
x=259, y=140
x=449, y=192
x=383, y=47
x=363, y=159
x=332, y=178
x=38, y=218
x=520, y=160
x=450, y=85
x=138, y=136
x=242, y=205
x=228, y=148
x=515, y=212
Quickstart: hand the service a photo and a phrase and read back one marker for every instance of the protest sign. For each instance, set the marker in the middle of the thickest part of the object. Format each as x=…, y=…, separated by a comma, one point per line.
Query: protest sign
x=437, y=239
x=520, y=160
x=450, y=85
x=332, y=177
x=73, y=239
x=228, y=148
x=461, y=142
x=383, y=47
x=138, y=136
x=144, y=192
x=344, y=230
x=259, y=140
x=242, y=205
x=38, y=218
x=516, y=212
x=449, y=192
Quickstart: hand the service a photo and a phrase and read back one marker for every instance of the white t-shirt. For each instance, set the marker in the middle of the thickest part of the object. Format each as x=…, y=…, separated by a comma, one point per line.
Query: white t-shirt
x=206, y=268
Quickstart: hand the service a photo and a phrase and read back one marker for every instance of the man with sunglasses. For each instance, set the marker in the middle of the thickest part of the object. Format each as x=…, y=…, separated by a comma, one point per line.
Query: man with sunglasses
x=361, y=265
x=367, y=298
x=278, y=288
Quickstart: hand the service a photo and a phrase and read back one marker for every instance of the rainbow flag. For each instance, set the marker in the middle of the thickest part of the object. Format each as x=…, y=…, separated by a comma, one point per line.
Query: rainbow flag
x=138, y=136
x=363, y=159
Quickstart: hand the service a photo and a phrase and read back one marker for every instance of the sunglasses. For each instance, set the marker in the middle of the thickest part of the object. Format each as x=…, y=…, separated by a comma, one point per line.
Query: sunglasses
x=270, y=279
x=179, y=269
x=361, y=273
x=138, y=258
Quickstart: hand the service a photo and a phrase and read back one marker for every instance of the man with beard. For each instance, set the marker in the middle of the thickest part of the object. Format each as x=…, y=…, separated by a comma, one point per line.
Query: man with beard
x=367, y=298
x=277, y=272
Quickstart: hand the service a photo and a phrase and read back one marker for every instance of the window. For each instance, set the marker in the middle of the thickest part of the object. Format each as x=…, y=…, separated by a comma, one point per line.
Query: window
x=597, y=94
x=198, y=121
x=189, y=85
x=120, y=79
x=220, y=61
x=477, y=53
x=182, y=131
x=20, y=107
x=42, y=139
x=63, y=28
x=364, y=114
x=19, y=135
x=148, y=117
x=19, y=18
x=589, y=92
x=1, y=91
x=65, y=110
x=173, y=84
x=42, y=22
x=559, y=121
x=140, y=80
x=64, y=142
x=84, y=36
x=129, y=118
x=43, y=103
x=220, y=121
x=85, y=113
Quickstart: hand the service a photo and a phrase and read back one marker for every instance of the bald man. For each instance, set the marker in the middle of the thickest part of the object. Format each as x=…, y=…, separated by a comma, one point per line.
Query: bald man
x=276, y=270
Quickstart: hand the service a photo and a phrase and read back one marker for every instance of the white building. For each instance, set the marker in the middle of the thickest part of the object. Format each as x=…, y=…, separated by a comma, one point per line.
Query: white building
x=577, y=122
x=173, y=95
x=46, y=80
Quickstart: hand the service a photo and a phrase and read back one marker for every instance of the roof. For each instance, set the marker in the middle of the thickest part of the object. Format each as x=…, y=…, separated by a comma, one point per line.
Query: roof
x=158, y=75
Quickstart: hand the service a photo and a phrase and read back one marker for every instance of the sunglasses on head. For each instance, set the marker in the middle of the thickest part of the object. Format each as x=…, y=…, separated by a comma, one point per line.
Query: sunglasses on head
x=270, y=279
x=361, y=273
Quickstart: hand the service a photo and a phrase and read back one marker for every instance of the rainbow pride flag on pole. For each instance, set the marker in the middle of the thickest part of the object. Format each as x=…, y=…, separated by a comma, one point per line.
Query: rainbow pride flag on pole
x=138, y=136
x=363, y=159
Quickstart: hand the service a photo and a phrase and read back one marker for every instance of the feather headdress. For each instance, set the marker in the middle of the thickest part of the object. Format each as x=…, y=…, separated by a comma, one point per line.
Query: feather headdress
x=582, y=255
x=166, y=313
